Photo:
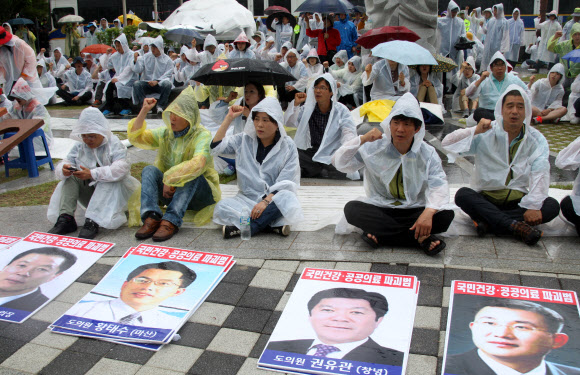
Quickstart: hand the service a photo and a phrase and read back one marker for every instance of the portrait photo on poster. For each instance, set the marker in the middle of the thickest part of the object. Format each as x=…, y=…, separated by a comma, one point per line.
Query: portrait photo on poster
x=491, y=335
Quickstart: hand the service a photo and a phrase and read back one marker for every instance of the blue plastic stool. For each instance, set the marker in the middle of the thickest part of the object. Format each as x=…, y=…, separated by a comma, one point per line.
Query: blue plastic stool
x=28, y=160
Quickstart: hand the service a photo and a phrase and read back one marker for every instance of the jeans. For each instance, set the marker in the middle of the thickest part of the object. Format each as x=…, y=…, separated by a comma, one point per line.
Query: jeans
x=194, y=195
x=141, y=89
x=270, y=214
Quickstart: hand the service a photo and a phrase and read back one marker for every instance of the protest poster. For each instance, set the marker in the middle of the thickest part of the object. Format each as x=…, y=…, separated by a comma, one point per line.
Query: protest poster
x=147, y=296
x=344, y=322
x=500, y=329
x=39, y=267
x=6, y=241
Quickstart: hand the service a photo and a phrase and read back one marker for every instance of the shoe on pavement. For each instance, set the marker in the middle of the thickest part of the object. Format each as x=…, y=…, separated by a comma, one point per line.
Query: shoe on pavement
x=481, y=227
x=283, y=231
x=89, y=230
x=166, y=231
x=126, y=112
x=106, y=112
x=526, y=232
x=230, y=231
x=148, y=229
x=65, y=224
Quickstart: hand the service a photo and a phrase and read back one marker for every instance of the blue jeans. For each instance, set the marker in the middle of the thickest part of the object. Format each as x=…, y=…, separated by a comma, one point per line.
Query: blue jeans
x=194, y=195
x=270, y=214
x=141, y=89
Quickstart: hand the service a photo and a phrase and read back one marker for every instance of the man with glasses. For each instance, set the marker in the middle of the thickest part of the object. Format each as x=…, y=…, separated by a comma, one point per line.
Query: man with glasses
x=145, y=288
x=512, y=337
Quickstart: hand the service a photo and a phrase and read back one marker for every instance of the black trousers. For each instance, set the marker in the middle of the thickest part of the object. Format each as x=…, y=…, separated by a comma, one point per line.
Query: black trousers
x=348, y=100
x=480, y=113
x=311, y=168
x=68, y=97
x=110, y=97
x=500, y=218
x=286, y=96
x=391, y=225
x=99, y=91
x=568, y=211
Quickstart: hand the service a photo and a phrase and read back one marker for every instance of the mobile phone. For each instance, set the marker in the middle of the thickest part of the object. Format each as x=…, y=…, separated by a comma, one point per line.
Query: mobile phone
x=72, y=169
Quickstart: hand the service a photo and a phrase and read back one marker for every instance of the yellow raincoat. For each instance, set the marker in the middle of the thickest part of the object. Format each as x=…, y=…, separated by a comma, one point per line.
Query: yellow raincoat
x=181, y=159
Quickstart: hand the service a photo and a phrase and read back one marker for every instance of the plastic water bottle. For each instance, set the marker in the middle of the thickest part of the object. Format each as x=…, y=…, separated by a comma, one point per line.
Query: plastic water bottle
x=245, y=229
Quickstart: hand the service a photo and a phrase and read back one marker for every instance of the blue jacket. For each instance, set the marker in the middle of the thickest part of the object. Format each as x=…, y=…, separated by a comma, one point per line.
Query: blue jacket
x=348, y=35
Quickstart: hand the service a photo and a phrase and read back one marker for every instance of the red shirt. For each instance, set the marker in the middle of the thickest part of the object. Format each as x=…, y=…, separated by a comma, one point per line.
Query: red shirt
x=332, y=42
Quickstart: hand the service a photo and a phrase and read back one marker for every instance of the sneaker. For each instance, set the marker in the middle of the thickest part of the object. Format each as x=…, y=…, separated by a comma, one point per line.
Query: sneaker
x=159, y=110
x=64, y=225
x=465, y=113
x=574, y=120
x=89, y=230
x=283, y=231
x=126, y=112
x=230, y=231
x=526, y=232
x=106, y=112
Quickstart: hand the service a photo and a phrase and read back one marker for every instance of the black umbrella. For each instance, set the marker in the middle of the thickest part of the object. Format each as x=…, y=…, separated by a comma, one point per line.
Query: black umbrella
x=279, y=15
x=20, y=21
x=238, y=72
x=463, y=43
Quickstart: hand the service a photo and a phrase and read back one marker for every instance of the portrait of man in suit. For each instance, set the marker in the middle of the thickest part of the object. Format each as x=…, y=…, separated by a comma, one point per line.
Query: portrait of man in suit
x=512, y=337
x=343, y=320
x=21, y=278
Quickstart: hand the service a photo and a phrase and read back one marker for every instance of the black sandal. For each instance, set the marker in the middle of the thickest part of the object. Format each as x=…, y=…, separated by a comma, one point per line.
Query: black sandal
x=369, y=240
x=427, y=243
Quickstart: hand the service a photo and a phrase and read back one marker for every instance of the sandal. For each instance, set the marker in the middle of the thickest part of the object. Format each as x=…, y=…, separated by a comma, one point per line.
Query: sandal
x=369, y=240
x=427, y=243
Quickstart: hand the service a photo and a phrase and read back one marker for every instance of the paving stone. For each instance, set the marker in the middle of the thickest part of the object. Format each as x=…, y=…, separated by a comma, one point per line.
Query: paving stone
x=446, y=296
x=250, y=262
x=71, y=363
x=283, y=301
x=353, y=266
x=505, y=278
x=94, y=274
x=241, y=274
x=425, y=341
x=196, y=335
x=74, y=293
x=227, y=293
x=427, y=275
x=31, y=358
x=540, y=281
x=271, y=279
x=441, y=343
x=9, y=371
x=214, y=363
x=421, y=365
x=211, y=313
x=511, y=248
x=54, y=340
x=461, y=274
x=293, y=280
x=250, y=368
x=394, y=269
x=148, y=370
x=52, y=311
x=427, y=317
x=269, y=328
x=282, y=265
x=315, y=264
x=430, y=295
x=444, y=315
x=260, y=345
x=260, y=298
x=175, y=358
x=9, y=347
x=129, y=354
x=247, y=319
x=231, y=341
x=570, y=284
x=91, y=346
x=25, y=331
x=110, y=366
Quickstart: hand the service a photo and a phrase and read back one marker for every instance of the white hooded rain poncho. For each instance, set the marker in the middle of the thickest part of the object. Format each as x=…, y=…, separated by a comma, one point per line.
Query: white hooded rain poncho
x=110, y=172
x=517, y=30
x=284, y=33
x=424, y=181
x=123, y=65
x=339, y=129
x=79, y=83
x=205, y=57
x=350, y=83
x=450, y=29
x=299, y=71
x=46, y=79
x=280, y=171
x=569, y=158
x=316, y=70
x=153, y=68
x=248, y=53
x=547, y=30
x=343, y=56
x=383, y=86
x=463, y=82
x=59, y=66
x=544, y=95
x=530, y=165
x=474, y=25
x=497, y=37
x=17, y=60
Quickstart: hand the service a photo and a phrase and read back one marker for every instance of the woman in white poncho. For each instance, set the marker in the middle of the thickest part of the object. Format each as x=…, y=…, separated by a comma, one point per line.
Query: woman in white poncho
x=349, y=83
x=46, y=79
x=57, y=65
x=102, y=181
x=313, y=65
x=426, y=85
x=464, y=77
x=242, y=48
x=339, y=60
x=406, y=187
x=268, y=172
x=569, y=158
x=547, y=95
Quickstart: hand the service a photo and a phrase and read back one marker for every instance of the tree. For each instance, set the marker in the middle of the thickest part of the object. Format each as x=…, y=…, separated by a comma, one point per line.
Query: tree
x=25, y=8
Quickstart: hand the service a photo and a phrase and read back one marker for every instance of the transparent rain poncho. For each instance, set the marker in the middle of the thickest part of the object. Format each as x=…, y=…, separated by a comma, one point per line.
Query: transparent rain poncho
x=33, y=108
x=516, y=28
x=18, y=61
x=462, y=82
x=205, y=57
x=110, y=172
x=248, y=53
x=530, y=165
x=59, y=66
x=343, y=55
x=474, y=20
x=548, y=29
x=280, y=171
x=123, y=64
x=153, y=68
x=46, y=79
x=79, y=83
x=569, y=158
x=316, y=70
x=424, y=181
x=544, y=95
x=450, y=29
x=497, y=38
x=383, y=85
x=283, y=32
x=298, y=71
x=181, y=159
x=339, y=129
x=350, y=83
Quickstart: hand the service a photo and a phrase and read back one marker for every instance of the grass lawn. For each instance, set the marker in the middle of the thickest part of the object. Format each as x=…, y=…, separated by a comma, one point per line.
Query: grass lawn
x=18, y=173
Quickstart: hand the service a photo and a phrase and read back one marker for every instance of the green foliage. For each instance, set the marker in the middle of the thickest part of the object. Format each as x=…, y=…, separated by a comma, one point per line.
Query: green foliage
x=107, y=36
x=26, y=8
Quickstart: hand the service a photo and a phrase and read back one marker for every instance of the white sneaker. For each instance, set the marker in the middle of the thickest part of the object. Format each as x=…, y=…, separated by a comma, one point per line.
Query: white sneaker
x=574, y=120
